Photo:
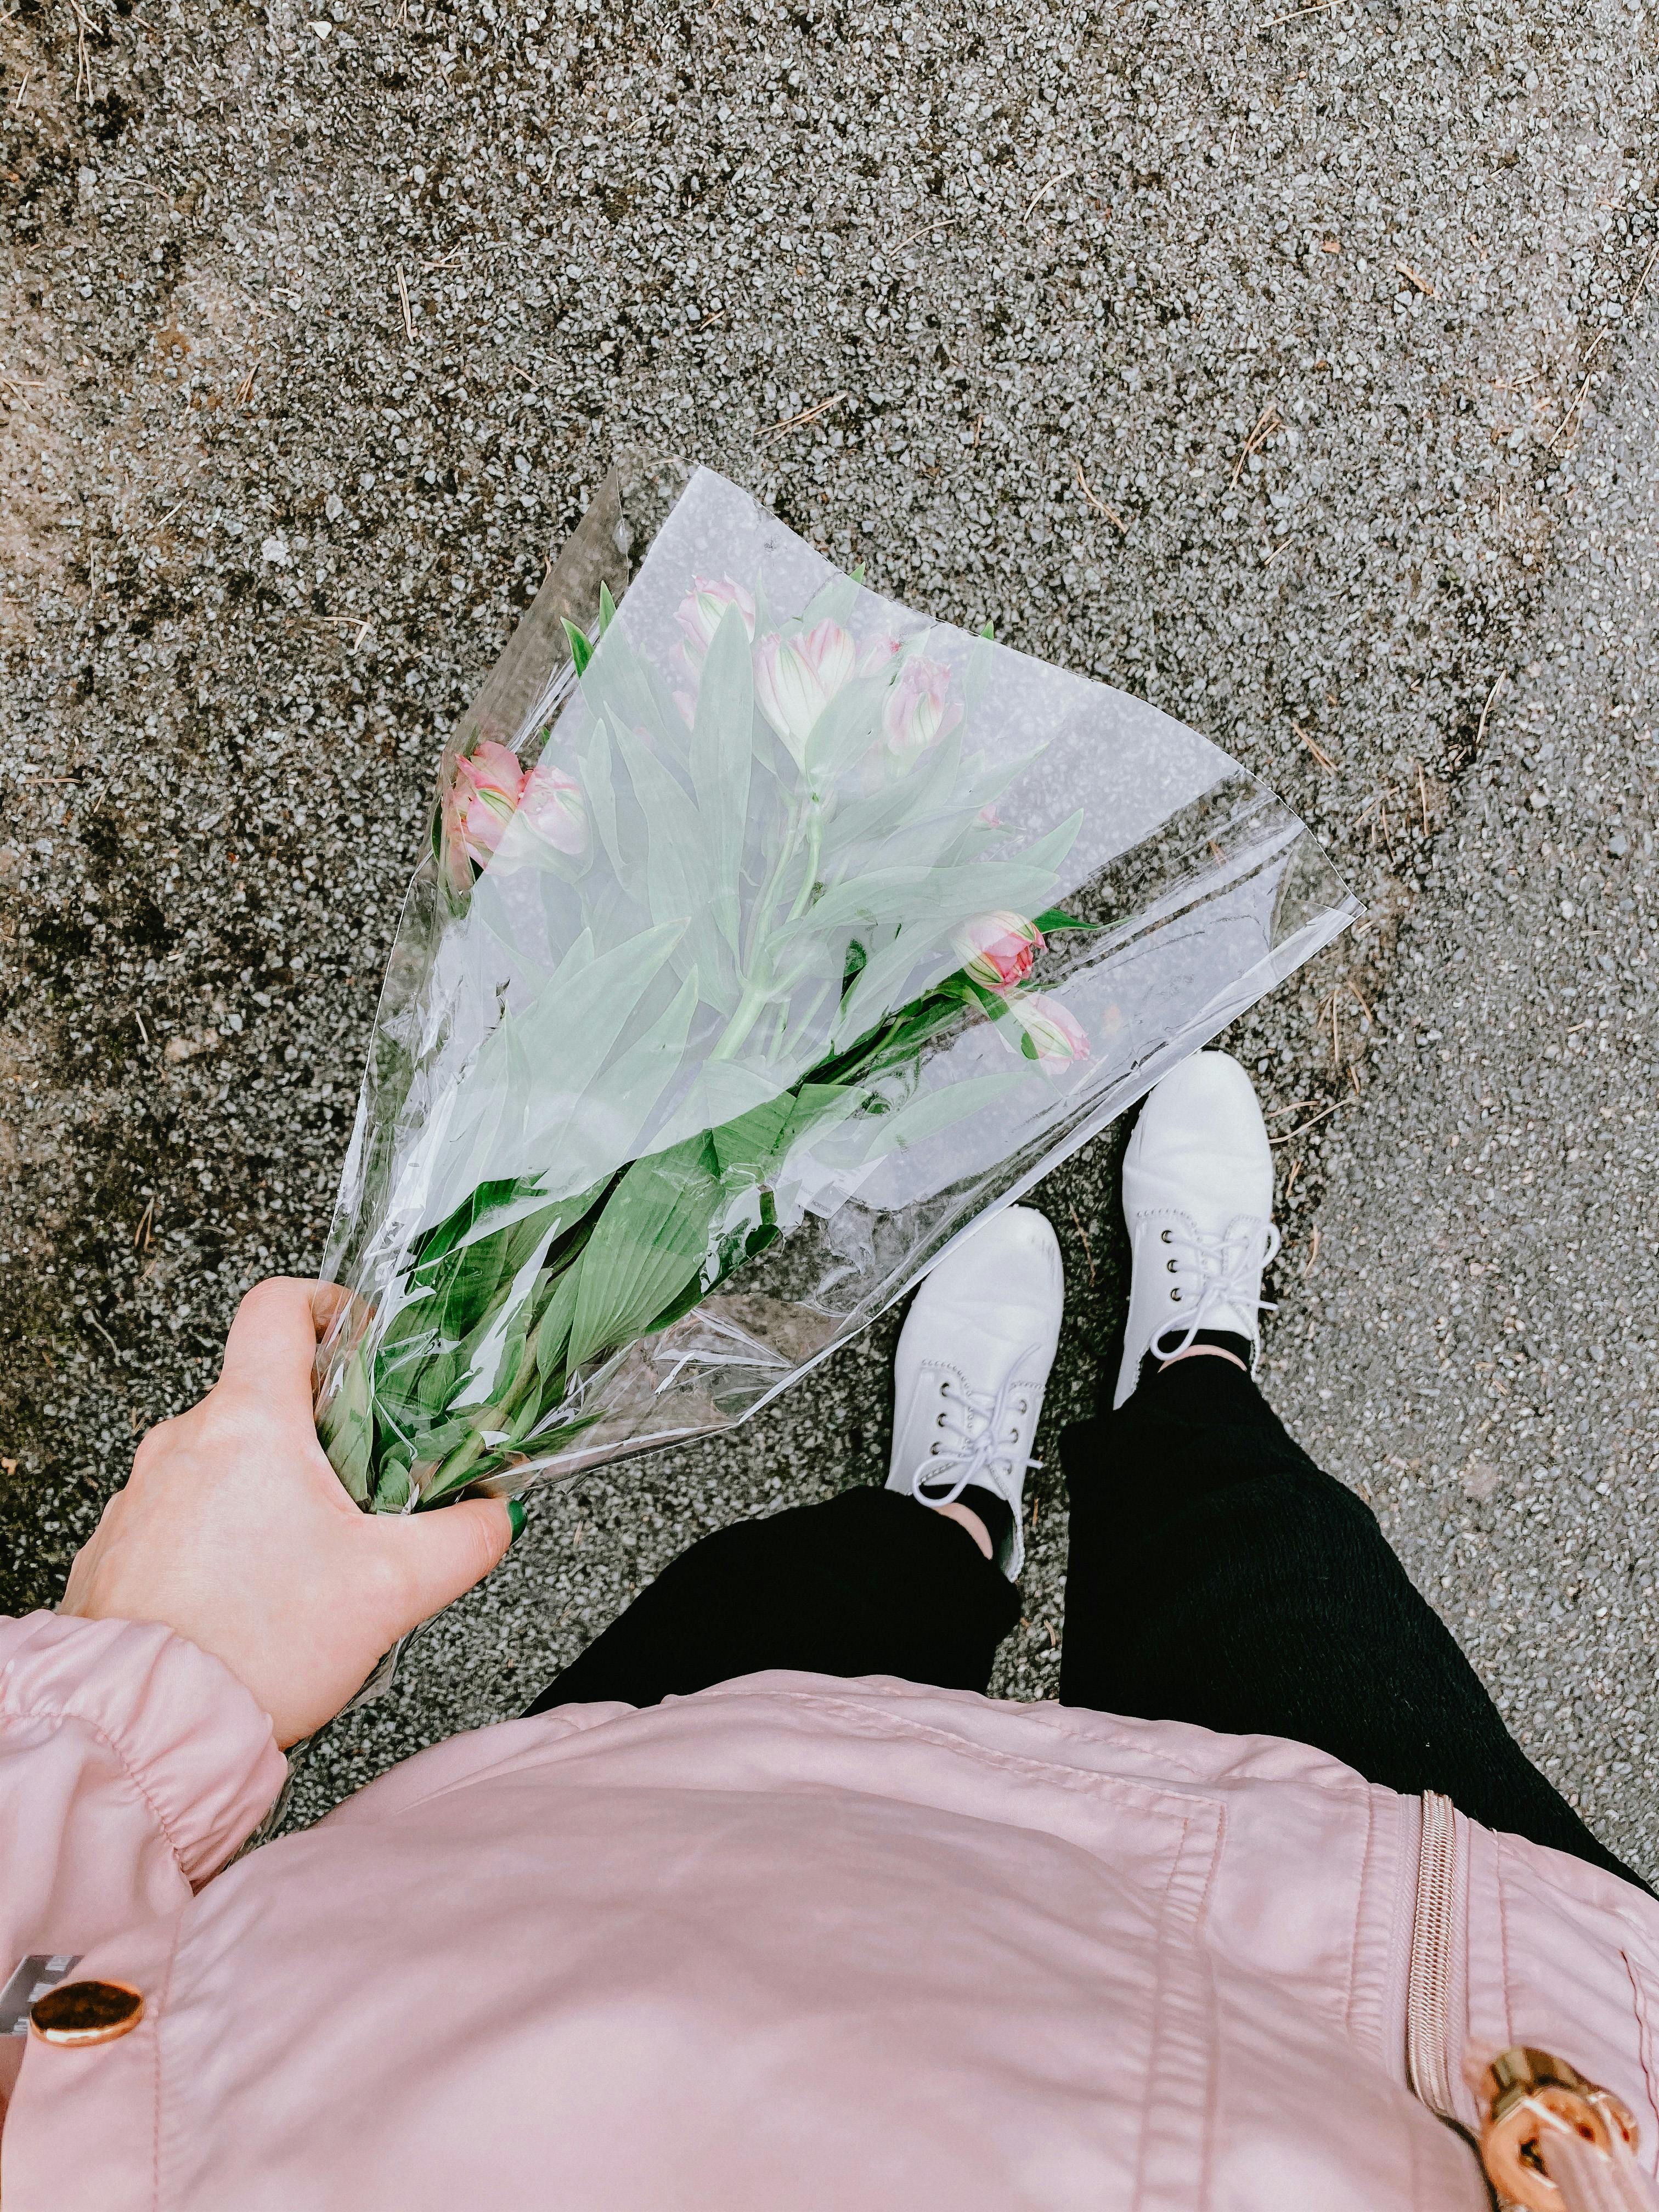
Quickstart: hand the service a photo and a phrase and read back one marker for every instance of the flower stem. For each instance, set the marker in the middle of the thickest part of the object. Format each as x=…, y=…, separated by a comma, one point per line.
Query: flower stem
x=750, y=1008
x=457, y=1463
x=810, y=880
x=757, y=993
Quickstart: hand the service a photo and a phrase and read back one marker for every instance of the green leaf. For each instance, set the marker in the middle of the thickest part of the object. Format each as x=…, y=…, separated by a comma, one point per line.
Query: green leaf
x=607, y=1122
x=594, y=763
x=883, y=977
x=391, y=1491
x=648, y=1244
x=938, y=898
x=900, y=1040
x=748, y=1146
x=932, y=1112
x=528, y=1081
x=432, y=1243
x=818, y=1109
x=857, y=832
x=1049, y=852
x=487, y=1115
x=981, y=658
x=454, y=1291
x=1053, y=919
x=581, y=651
x=553, y=1330
x=721, y=1091
x=346, y=1431
x=677, y=872
x=835, y=602
x=722, y=755
x=617, y=684
x=846, y=730
x=607, y=608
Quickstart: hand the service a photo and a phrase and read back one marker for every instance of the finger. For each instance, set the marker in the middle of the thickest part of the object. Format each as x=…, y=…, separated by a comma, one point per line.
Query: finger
x=439, y=1556
x=273, y=1341
x=342, y=1317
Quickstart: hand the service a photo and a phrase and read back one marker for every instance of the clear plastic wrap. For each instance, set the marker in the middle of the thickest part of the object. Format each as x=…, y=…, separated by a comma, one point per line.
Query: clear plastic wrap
x=770, y=934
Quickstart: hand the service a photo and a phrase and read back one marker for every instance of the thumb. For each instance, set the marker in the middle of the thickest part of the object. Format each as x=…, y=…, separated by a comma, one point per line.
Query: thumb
x=439, y=1556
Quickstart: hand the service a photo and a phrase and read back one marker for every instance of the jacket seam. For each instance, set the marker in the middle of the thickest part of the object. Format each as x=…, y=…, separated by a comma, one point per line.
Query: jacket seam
x=1160, y=1998
x=1161, y=1800
x=1168, y=1799
x=119, y=1752
x=1056, y=1727
x=1503, y=1888
x=1643, y=2038
x=1331, y=1774
x=1360, y=1911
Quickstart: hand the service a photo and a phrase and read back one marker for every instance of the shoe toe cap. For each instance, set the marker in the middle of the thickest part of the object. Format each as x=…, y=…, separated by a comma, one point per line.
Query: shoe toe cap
x=1209, y=1099
x=1201, y=1132
x=1009, y=1259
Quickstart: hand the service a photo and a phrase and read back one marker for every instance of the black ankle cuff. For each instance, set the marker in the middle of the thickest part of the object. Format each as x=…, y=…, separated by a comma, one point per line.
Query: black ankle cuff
x=996, y=1515
x=994, y=1511
x=1154, y=1363
x=1222, y=1340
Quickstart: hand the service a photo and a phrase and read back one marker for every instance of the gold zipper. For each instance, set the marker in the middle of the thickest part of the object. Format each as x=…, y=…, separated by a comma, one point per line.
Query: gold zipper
x=1428, y=1992
x=1550, y=2140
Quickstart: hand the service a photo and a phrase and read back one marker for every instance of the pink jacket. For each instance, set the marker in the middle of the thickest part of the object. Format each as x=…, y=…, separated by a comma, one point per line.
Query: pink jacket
x=790, y=1945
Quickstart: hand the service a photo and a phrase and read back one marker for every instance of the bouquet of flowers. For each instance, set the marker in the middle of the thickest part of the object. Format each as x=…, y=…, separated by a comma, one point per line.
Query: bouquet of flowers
x=768, y=934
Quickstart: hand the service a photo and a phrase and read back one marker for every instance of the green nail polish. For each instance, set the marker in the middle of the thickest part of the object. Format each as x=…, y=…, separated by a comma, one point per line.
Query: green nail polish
x=517, y=1516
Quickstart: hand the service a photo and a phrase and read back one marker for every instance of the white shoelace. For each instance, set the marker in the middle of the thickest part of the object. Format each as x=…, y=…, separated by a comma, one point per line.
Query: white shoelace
x=979, y=1441
x=1223, y=1263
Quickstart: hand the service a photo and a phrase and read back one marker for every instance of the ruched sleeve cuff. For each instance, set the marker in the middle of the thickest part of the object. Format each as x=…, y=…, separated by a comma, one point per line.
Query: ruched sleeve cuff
x=186, y=1734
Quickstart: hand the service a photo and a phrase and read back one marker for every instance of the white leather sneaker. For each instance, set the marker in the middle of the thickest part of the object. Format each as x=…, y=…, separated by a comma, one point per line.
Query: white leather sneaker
x=972, y=1365
x=1197, y=1196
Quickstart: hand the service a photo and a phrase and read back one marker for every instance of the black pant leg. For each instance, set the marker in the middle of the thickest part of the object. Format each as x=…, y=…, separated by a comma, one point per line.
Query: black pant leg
x=869, y=1582
x=1218, y=1575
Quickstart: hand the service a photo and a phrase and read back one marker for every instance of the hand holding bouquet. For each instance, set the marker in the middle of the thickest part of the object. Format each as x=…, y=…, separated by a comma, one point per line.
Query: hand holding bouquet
x=787, y=932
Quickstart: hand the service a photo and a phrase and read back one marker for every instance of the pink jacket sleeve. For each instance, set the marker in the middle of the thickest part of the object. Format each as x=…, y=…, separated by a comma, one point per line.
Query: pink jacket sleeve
x=131, y=1766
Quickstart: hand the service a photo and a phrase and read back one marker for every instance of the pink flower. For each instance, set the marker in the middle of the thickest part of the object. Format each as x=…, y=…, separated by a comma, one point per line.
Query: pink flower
x=1052, y=1037
x=879, y=655
x=701, y=612
x=997, y=950
x=796, y=678
x=554, y=806
x=482, y=801
x=917, y=714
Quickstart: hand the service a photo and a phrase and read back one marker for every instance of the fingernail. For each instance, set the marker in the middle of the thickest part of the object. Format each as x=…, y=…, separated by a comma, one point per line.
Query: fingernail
x=517, y=1515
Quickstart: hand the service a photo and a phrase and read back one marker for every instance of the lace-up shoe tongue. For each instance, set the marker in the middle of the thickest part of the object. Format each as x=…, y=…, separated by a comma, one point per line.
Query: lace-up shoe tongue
x=1215, y=1279
x=1197, y=1182
x=972, y=1363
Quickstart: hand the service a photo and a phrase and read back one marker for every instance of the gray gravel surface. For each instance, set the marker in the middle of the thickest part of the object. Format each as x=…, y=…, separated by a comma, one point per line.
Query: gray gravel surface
x=1242, y=356
x=1475, y=1344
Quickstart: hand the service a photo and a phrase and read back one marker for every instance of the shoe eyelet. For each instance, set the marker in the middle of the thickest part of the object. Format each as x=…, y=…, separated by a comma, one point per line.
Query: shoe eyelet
x=1172, y=1266
x=939, y=1424
x=1163, y=1236
x=932, y=1451
x=1175, y=1295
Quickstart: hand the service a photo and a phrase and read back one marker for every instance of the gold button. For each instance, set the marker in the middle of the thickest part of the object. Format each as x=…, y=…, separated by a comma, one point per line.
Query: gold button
x=81, y=2013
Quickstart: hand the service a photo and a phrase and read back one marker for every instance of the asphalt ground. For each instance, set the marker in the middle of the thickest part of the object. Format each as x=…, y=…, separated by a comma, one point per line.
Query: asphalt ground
x=1475, y=1345
x=1254, y=359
